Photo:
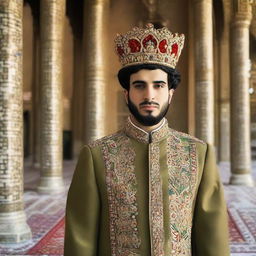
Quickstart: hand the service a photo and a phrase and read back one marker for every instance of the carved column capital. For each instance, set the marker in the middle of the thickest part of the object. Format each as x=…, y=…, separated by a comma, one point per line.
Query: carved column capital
x=242, y=13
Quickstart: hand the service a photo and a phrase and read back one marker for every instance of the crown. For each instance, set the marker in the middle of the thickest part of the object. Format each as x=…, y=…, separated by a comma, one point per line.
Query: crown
x=149, y=45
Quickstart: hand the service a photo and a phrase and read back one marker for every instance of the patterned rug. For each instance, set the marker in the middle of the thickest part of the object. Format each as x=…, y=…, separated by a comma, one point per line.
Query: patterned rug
x=45, y=216
x=52, y=242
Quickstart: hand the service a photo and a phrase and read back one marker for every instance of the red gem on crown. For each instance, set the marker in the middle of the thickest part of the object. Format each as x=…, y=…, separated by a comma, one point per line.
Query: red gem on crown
x=120, y=50
x=148, y=41
x=175, y=49
x=134, y=45
x=163, y=46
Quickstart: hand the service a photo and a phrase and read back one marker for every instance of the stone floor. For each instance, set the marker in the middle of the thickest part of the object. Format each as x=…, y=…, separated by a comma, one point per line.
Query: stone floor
x=45, y=216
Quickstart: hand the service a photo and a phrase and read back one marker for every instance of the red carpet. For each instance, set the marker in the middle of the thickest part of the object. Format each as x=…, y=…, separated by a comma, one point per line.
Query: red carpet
x=52, y=242
x=234, y=233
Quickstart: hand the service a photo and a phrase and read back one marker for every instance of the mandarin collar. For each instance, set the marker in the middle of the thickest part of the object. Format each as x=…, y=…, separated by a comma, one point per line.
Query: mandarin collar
x=139, y=134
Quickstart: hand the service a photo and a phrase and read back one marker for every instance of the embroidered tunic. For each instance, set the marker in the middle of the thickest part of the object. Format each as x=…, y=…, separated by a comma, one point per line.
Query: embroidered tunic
x=138, y=193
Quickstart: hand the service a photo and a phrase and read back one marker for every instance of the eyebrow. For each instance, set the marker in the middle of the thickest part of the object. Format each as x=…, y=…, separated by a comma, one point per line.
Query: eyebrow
x=143, y=82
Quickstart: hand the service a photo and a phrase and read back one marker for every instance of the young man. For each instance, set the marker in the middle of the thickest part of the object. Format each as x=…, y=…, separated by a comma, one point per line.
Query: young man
x=147, y=189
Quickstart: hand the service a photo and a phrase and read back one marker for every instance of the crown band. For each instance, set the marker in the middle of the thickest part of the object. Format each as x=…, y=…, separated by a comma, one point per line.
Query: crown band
x=149, y=46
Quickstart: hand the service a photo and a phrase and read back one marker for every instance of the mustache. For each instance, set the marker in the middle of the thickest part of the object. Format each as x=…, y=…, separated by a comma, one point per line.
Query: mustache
x=149, y=103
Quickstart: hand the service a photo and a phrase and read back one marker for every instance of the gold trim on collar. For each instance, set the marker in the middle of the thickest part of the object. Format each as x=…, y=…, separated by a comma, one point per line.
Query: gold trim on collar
x=139, y=134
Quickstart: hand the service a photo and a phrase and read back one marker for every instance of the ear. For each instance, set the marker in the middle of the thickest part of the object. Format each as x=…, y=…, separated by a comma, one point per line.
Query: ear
x=126, y=93
x=171, y=92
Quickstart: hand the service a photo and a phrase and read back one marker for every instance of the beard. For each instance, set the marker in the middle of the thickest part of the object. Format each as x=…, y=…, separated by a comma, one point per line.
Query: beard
x=149, y=119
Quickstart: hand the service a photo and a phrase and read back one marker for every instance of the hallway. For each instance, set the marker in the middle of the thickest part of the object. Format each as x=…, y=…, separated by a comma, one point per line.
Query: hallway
x=45, y=216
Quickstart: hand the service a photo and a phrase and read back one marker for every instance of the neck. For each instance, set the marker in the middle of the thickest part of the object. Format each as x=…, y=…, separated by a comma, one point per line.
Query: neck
x=146, y=128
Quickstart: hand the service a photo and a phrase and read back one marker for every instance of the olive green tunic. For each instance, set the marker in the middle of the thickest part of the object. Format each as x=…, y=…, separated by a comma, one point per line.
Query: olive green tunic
x=138, y=193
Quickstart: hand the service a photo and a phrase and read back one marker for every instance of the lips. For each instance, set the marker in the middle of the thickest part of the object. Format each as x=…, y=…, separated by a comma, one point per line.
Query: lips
x=148, y=107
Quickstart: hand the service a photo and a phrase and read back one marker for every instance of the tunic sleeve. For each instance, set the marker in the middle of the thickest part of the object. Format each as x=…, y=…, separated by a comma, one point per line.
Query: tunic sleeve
x=82, y=210
x=210, y=226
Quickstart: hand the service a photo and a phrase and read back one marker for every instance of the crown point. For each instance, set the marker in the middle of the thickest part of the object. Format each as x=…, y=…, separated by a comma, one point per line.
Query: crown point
x=149, y=25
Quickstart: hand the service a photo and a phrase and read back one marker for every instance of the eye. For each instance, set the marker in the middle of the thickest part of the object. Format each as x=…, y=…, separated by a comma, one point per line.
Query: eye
x=159, y=85
x=139, y=86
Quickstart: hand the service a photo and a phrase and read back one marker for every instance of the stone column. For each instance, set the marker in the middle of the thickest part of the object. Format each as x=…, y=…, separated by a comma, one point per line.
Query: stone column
x=36, y=90
x=95, y=61
x=224, y=88
x=253, y=81
x=13, y=226
x=52, y=23
x=253, y=108
x=240, y=103
x=78, y=104
x=204, y=70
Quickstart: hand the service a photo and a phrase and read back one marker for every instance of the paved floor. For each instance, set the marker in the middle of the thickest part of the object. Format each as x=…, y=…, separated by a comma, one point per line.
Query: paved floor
x=241, y=203
x=43, y=212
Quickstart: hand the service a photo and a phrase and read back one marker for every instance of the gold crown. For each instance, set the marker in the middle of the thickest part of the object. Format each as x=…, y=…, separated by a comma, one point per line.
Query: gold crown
x=149, y=46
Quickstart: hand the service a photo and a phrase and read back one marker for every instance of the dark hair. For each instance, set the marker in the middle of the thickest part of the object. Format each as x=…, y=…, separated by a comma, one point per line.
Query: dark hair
x=125, y=73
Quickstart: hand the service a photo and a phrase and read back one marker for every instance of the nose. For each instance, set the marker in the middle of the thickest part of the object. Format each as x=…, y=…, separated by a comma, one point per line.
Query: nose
x=149, y=93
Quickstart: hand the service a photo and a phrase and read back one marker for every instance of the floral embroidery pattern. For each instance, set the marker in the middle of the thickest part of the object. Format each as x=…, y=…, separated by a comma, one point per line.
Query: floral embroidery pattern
x=182, y=171
x=156, y=201
x=119, y=159
x=121, y=183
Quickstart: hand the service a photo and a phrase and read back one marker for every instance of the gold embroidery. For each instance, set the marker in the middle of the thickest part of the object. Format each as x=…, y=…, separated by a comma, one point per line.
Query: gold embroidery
x=156, y=201
x=135, y=132
x=121, y=183
x=119, y=159
x=182, y=170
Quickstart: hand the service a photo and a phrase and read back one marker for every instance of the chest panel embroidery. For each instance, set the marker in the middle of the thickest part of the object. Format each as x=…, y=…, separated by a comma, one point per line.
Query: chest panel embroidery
x=182, y=172
x=156, y=201
x=119, y=158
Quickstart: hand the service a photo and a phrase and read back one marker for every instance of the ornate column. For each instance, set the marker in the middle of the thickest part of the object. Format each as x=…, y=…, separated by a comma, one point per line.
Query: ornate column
x=36, y=85
x=52, y=21
x=13, y=226
x=78, y=98
x=204, y=70
x=95, y=61
x=75, y=14
x=253, y=81
x=253, y=108
x=224, y=87
x=253, y=22
x=240, y=103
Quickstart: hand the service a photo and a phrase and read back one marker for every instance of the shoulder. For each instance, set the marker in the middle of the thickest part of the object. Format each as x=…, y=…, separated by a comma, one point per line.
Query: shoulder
x=106, y=140
x=186, y=137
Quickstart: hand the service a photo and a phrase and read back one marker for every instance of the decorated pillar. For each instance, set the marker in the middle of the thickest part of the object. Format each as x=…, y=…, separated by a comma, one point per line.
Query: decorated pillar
x=51, y=27
x=204, y=70
x=224, y=87
x=253, y=108
x=240, y=102
x=13, y=226
x=78, y=104
x=95, y=63
x=253, y=80
x=75, y=14
x=36, y=85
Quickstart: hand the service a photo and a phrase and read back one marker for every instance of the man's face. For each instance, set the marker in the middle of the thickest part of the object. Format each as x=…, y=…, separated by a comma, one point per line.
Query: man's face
x=149, y=97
